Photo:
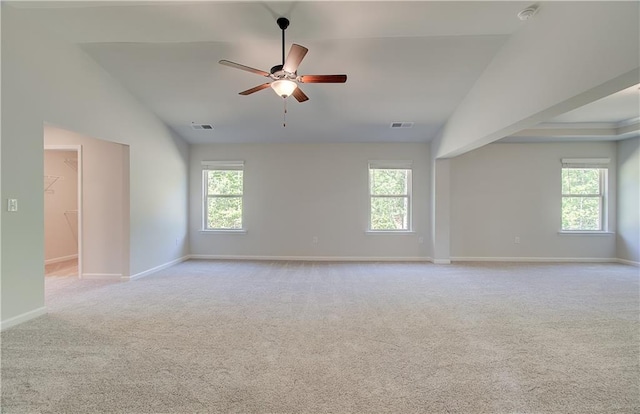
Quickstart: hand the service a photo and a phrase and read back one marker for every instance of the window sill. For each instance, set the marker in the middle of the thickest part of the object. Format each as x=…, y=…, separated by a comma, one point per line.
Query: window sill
x=390, y=232
x=585, y=233
x=239, y=231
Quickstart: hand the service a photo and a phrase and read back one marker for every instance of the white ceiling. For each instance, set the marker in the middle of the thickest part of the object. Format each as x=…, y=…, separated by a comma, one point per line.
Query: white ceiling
x=611, y=118
x=621, y=106
x=406, y=61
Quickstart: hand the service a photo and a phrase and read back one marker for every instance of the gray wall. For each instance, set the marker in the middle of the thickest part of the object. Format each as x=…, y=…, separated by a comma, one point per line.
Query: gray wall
x=628, y=234
x=503, y=191
x=294, y=192
x=47, y=81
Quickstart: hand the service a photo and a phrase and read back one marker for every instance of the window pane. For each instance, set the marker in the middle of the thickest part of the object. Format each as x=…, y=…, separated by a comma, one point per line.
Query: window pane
x=581, y=213
x=389, y=213
x=388, y=182
x=222, y=182
x=224, y=213
x=580, y=181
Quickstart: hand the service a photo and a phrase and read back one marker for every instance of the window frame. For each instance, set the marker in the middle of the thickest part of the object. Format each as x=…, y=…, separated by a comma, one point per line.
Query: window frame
x=220, y=166
x=391, y=165
x=602, y=165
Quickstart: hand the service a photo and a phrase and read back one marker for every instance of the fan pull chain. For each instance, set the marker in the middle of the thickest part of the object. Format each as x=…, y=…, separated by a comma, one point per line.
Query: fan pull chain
x=284, y=115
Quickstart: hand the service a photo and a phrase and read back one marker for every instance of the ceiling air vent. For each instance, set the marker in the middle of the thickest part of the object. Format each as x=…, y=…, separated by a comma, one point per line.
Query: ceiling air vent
x=202, y=127
x=402, y=125
x=528, y=13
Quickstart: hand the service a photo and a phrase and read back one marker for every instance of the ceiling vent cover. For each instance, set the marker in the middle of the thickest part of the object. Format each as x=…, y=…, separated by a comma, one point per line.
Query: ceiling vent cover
x=402, y=125
x=202, y=127
x=528, y=13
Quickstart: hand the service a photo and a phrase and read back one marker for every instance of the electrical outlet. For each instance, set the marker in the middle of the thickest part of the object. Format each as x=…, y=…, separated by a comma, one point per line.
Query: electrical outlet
x=517, y=240
x=420, y=239
x=314, y=240
x=12, y=204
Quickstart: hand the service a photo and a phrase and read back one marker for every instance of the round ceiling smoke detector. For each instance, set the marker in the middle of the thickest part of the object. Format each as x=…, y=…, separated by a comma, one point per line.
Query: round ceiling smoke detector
x=528, y=13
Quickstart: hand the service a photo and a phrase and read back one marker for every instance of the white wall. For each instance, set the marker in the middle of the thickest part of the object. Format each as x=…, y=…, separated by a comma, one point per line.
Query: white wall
x=105, y=202
x=60, y=206
x=628, y=234
x=440, y=214
x=293, y=192
x=44, y=80
x=501, y=191
x=2, y=199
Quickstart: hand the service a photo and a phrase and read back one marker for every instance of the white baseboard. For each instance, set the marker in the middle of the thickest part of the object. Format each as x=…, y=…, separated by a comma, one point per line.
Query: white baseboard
x=22, y=318
x=441, y=261
x=101, y=276
x=536, y=259
x=60, y=259
x=628, y=262
x=311, y=258
x=156, y=269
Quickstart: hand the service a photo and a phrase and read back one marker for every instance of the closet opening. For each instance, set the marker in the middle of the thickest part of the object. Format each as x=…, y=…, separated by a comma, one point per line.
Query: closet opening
x=63, y=210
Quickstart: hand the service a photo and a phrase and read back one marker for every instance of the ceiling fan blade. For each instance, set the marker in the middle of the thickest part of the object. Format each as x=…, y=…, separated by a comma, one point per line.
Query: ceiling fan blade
x=295, y=56
x=243, y=67
x=323, y=78
x=256, y=89
x=299, y=95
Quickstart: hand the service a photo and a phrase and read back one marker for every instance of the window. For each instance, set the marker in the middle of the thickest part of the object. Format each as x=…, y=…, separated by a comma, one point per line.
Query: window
x=390, y=196
x=584, y=185
x=222, y=188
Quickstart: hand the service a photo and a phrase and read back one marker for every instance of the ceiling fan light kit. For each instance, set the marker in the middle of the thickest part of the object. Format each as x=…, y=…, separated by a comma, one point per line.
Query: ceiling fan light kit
x=284, y=87
x=284, y=78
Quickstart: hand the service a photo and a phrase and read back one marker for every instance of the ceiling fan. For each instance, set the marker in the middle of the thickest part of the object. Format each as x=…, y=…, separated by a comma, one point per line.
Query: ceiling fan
x=284, y=78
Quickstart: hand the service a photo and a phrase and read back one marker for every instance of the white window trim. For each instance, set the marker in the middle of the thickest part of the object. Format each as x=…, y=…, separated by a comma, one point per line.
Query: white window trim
x=225, y=166
x=585, y=233
x=585, y=162
x=603, y=165
x=390, y=232
x=221, y=231
x=391, y=165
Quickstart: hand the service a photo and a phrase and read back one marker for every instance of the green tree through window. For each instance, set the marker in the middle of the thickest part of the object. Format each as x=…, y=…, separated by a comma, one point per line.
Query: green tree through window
x=390, y=198
x=223, y=198
x=582, y=198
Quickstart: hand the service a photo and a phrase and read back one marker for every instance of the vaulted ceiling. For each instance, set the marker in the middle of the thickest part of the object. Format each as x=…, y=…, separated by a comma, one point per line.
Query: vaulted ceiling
x=405, y=61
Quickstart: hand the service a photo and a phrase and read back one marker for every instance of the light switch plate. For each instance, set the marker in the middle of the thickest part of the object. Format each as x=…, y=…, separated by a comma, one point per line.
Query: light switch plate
x=12, y=204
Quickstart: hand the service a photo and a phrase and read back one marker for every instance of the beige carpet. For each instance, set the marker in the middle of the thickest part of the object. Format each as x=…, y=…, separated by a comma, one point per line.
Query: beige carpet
x=295, y=337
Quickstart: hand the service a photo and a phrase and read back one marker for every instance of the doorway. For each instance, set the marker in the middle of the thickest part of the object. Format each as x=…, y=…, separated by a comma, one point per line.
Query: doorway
x=63, y=210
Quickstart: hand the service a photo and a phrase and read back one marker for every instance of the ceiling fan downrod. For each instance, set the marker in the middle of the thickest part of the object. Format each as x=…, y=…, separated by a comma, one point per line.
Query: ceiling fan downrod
x=283, y=23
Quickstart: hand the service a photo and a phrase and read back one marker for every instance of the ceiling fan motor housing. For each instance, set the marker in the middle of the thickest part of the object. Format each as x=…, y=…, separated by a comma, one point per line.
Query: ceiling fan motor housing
x=278, y=73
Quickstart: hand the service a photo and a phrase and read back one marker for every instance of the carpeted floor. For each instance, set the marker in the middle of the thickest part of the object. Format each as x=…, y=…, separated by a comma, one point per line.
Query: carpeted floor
x=296, y=337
